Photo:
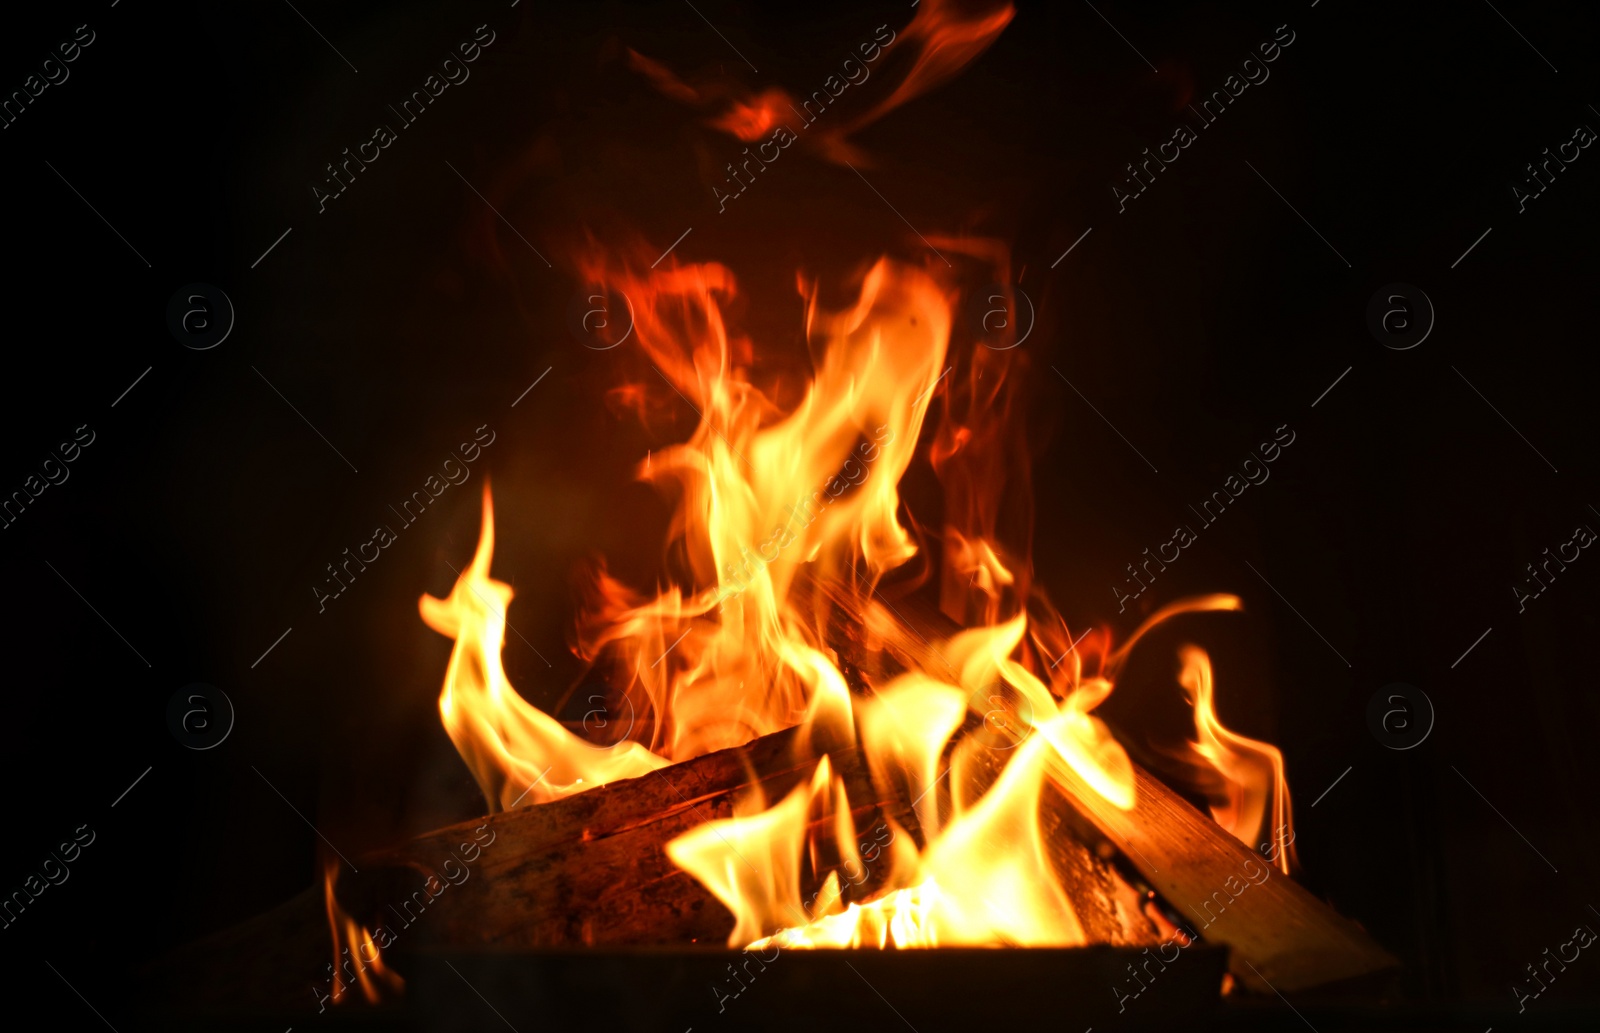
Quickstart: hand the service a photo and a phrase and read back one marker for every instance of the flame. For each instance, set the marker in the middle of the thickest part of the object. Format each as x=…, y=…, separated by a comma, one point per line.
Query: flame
x=355, y=954
x=752, y=862
x=984, y=876
x=515, y=750
x=1250, y=771
x=782, y=485
x=991, y=853
x=728, y=653
x=943, y=37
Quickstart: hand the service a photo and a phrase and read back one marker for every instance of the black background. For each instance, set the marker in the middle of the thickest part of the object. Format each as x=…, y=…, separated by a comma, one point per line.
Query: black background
x=405, y=315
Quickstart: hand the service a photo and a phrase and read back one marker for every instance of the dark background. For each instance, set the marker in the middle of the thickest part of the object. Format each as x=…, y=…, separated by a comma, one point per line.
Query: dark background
x=405, y=315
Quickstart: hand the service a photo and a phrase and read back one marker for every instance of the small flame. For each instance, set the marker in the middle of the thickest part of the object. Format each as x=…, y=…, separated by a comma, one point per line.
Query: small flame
x=904, y=918
x=944, y=36
x=1250, y=772
x=357, y=960
x=515, y=750
x=752, y=862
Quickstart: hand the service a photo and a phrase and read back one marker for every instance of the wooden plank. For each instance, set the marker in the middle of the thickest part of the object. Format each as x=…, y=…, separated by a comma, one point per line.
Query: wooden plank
x=1282, y=937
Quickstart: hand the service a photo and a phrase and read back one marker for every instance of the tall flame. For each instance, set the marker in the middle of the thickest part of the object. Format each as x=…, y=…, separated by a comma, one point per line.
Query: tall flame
x=729, y=653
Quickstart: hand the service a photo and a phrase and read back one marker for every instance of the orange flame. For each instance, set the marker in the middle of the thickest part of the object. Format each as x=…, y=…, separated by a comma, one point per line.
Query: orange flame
x=729, y=654
x=752, y=862
x=357, y=960
x=784, y=485
x=984, y=876
x=1251, y=771
x=944, y=36
x=515, y=750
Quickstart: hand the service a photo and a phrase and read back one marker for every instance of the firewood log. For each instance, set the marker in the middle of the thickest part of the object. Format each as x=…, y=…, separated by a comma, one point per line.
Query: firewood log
x=591, y=869
x=586, y=870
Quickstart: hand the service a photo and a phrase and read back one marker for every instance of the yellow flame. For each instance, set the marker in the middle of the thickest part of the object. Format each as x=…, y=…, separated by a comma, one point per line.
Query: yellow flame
x=752, y=863
x=775, y=483
x=985, y=881
x=762, y=493
x=516, y=751
x=904, y=729
x=354, y=950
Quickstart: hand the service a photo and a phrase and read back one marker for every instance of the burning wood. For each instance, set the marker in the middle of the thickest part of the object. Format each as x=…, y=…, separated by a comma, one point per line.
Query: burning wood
x=737, y=653
x=795, y=712
x=592, y=869
x=1282, y=936
x=631, y=844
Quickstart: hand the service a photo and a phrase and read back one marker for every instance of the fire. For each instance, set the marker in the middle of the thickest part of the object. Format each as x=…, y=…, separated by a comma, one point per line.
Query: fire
x=763, y=892
x=942, y=38
x=984, y=876
x=788, y=520
x=357, y=960
x=515, y=750
x=730, y=653
x=772, y=499
x=1250, y=771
